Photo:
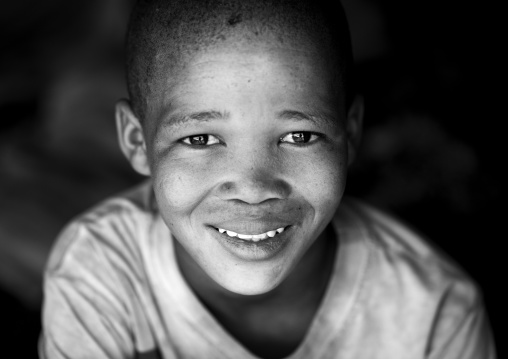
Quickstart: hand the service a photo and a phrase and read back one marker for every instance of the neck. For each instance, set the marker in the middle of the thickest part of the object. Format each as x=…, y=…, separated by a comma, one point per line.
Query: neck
x=280, y=317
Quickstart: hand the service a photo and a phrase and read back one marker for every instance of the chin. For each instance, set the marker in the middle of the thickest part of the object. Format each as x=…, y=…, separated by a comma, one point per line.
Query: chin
x=250, y=290
x=251, y=284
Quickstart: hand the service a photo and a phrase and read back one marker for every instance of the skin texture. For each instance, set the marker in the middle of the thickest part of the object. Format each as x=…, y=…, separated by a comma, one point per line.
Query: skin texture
x=165, y=35
x=252, y=101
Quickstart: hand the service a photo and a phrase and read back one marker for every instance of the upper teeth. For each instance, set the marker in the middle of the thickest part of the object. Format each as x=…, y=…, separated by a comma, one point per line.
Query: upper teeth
x=252, y=237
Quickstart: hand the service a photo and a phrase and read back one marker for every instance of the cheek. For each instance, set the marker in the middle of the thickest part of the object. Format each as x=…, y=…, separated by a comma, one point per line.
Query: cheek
x=322, y=179
x=181, y=184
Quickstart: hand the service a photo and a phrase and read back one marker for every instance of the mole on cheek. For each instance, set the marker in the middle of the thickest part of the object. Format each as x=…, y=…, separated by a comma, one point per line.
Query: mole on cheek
x=235, y=19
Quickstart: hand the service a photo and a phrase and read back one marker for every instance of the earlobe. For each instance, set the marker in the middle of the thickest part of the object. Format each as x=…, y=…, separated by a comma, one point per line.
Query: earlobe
x=354, y=127
x=131, y=138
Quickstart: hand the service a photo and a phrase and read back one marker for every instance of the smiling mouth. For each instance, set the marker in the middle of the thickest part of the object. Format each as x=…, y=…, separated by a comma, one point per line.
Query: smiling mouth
x=252, y=237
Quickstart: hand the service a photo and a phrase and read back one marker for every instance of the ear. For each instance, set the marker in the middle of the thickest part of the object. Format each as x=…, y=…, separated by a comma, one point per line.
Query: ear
x=131, y=138
x=354, y=127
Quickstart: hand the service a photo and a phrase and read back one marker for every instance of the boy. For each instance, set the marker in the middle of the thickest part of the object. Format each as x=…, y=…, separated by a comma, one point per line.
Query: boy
x=242, y=114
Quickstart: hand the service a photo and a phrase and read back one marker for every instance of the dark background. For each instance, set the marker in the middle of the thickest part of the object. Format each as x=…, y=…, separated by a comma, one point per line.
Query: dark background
x=432, y=152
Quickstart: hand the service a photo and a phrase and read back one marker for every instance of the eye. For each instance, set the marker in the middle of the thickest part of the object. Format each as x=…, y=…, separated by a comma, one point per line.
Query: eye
x=302, y=137
x=201, y=140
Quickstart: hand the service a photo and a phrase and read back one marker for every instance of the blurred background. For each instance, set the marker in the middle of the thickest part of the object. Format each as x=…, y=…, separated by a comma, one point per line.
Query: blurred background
x=431, y=154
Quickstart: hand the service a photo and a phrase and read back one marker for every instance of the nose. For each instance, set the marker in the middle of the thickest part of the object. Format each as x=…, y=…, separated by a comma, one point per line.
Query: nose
x=254, y=178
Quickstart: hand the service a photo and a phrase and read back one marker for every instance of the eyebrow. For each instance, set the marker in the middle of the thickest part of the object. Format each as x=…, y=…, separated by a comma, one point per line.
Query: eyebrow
x=205, y=116
x=318, y=118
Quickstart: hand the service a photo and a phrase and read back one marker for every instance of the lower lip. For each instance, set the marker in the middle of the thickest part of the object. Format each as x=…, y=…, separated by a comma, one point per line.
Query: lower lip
x=250, y=250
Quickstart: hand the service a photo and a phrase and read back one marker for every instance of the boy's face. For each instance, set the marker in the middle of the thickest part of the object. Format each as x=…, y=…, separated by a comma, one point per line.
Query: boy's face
x=249, y=140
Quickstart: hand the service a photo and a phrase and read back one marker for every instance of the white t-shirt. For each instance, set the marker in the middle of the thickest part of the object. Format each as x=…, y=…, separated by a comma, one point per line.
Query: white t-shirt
x=112, y=289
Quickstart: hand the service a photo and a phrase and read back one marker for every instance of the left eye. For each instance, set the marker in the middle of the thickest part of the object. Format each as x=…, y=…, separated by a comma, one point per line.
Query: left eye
x=201, y=140
x=300, y=137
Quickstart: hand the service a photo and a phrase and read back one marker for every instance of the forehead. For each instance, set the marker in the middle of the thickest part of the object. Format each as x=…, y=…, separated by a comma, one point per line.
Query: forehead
x=278, y=70
x=253, y=61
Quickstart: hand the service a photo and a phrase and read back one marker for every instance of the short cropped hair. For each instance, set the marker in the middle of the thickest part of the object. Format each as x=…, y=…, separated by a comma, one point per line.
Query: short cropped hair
x=163, y=34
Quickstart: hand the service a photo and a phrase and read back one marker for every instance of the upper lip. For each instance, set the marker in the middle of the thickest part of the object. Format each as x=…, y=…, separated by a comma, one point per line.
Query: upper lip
x=256, y=219
x=251, y=227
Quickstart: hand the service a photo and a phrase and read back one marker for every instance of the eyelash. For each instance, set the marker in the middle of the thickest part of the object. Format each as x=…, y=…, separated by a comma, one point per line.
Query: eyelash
x=311, y=137
x=205, y=137
x=307, y=136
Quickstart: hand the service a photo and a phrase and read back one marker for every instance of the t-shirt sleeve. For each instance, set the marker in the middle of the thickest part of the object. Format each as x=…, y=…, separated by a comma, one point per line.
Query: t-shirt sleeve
x=79, y=323
x=85, y=312
x=461, y=329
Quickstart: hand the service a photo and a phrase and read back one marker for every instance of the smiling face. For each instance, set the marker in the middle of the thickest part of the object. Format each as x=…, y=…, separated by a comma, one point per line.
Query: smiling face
x=248, y=151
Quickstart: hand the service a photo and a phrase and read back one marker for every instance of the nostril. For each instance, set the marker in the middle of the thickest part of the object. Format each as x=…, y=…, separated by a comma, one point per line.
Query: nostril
x=227, y=186
x=253, y=191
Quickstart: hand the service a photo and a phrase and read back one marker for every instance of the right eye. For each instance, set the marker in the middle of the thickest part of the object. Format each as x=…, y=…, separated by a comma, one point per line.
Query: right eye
x=201, y=140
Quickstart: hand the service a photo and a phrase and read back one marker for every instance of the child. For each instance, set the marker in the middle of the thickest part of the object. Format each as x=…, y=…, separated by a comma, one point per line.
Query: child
x=240, y=245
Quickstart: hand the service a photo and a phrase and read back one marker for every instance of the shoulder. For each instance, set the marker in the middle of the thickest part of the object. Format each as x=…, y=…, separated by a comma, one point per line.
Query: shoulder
x=94, y=281
x=410, y=290
x=409, y=264
x=110, y=229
